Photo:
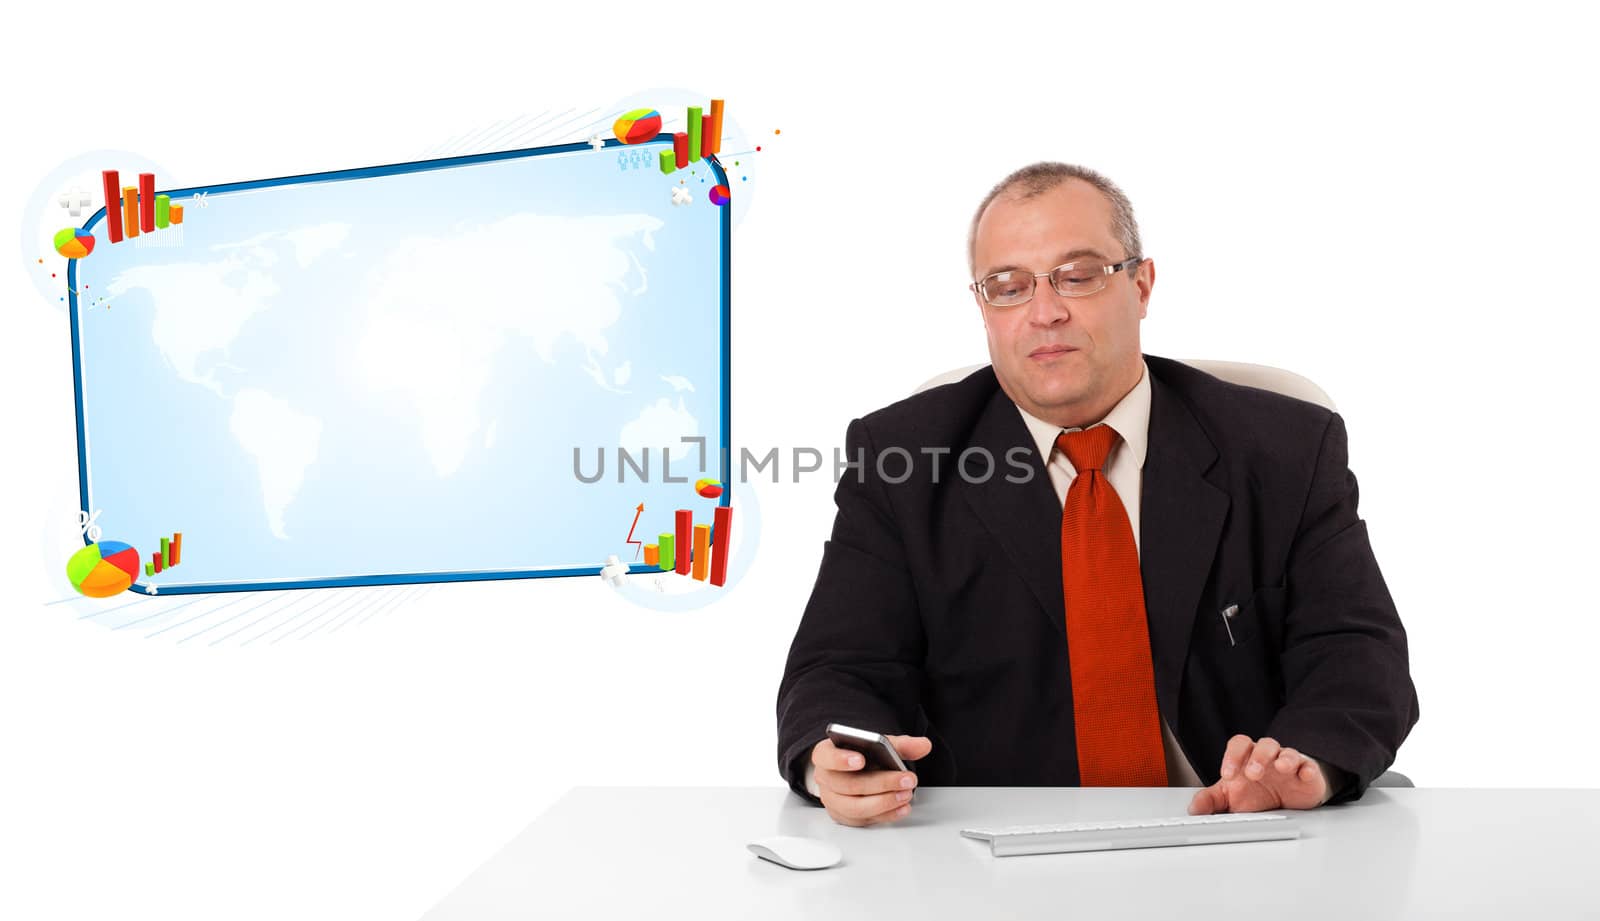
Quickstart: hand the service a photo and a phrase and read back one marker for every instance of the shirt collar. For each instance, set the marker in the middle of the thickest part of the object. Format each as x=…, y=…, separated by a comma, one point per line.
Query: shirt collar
x=1130, y=417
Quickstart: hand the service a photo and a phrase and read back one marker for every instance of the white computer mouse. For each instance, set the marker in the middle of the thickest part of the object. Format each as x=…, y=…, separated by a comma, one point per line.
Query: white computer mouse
x=796, y=853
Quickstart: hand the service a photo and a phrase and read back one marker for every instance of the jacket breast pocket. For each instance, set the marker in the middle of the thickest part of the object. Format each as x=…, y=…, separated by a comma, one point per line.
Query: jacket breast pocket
x=1242, y=623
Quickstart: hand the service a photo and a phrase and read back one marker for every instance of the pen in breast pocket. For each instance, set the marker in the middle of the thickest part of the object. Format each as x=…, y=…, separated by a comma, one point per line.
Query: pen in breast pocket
x=1227, y=618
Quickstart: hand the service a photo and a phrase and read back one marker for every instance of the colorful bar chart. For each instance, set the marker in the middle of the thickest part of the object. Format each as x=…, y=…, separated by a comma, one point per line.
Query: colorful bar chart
x=168, y=556
x=147, y=202
x=136, y=209
x=699, y=551
x=112, y=185
x=702, y=138
x=130, y=211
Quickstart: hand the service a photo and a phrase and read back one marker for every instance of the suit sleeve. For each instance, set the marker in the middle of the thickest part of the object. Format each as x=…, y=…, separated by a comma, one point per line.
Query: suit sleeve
x=1349, y=699
x=857, y=654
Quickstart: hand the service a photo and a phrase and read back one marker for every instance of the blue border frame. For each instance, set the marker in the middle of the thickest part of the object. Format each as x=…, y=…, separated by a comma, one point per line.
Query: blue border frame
x=415, y=166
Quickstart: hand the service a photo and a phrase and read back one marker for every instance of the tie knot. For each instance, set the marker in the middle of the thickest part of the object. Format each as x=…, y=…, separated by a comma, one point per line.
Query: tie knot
x=1087, y=449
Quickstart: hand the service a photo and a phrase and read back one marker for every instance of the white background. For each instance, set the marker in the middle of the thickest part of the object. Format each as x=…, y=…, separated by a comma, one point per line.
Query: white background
x=1398, y=204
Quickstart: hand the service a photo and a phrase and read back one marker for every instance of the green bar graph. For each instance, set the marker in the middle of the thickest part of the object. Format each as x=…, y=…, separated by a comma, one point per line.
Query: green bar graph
x=669, y=161
x=694, y=133
x=664, y=558
x=166, y=552
x=149, y=569
x=163, y=210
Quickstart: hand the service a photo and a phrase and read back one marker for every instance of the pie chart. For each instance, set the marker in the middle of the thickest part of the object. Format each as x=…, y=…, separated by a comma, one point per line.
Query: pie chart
x=104, y=569
x=74, y=244
x=637, y=126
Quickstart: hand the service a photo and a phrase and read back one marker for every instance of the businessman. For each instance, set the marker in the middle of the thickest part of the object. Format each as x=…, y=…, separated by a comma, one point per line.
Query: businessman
x=1084, y=565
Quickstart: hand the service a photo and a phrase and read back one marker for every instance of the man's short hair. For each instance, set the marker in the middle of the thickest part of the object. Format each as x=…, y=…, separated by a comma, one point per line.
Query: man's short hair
x=1038, y=178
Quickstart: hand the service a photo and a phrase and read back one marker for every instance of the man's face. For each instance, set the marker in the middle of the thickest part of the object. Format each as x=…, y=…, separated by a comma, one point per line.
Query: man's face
x=1067, y=360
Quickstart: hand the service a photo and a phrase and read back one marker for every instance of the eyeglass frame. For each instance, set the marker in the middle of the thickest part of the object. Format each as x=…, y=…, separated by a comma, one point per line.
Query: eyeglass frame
x=977, y=286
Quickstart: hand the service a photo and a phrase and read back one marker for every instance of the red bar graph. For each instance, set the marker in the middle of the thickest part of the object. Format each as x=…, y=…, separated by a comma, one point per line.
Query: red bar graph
x=684, y=519
x=147, y=202
x=112, y=183
x=680, y=148
x=155, y=559
x=722, y=521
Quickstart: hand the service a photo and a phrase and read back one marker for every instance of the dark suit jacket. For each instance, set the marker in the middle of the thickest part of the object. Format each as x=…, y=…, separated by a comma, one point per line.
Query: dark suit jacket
x=938, y=608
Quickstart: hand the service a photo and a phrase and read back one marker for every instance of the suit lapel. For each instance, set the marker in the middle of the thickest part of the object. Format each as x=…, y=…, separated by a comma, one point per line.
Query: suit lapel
x=1180, y=521
x=1024, y=519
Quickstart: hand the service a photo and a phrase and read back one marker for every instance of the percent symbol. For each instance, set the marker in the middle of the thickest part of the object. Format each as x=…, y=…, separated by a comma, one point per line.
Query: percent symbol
x=87, y=526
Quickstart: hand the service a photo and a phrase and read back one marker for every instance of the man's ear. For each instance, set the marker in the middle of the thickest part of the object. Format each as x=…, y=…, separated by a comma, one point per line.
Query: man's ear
x=1145, y=279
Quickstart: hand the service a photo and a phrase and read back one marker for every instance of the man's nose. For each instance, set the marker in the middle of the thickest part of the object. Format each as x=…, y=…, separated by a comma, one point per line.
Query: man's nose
x=1048, y=308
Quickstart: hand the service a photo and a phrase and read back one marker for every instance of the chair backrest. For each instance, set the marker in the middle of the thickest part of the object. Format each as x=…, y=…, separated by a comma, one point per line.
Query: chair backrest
x=1265, y=377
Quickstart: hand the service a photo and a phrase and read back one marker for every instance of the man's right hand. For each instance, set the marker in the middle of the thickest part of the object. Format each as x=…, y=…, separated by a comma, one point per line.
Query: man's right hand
x=854, y=796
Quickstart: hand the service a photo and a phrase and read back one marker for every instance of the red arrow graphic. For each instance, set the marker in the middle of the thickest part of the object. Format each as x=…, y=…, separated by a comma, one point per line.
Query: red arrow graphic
x=636, y=513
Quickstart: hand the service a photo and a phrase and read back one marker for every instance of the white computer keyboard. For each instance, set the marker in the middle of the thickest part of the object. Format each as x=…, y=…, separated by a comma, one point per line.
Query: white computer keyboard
x=1009, y=841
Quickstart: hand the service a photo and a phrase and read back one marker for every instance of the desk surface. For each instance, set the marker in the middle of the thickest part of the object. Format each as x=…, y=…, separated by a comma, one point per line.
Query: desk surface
x=1396, y=853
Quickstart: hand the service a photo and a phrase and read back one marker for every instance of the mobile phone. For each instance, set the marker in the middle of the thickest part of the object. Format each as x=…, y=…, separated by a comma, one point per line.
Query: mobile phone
x=873, y=746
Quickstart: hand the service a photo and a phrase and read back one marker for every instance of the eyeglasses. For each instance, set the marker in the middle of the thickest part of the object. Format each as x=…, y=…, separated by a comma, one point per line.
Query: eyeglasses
x=1075, y=279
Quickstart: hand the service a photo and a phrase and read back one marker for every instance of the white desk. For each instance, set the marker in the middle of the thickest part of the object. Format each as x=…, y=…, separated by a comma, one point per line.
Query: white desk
x=1396, y=853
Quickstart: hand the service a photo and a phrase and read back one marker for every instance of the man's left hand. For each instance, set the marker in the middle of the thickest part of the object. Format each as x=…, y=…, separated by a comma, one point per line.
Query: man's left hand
x=1257, y=776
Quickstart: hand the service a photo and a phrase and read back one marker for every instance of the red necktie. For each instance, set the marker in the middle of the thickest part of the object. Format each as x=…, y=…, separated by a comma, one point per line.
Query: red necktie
x=1108, y=640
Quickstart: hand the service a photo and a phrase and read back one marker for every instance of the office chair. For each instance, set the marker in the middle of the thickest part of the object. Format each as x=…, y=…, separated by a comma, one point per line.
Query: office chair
x=1265, y=377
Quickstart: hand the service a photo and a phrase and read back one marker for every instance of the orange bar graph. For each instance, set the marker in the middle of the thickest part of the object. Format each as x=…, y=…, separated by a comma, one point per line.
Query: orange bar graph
x=702, y=550
x=130, y=211
x=177, y=548
x=651, y=552
x=175, y=214
x=712, y=142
